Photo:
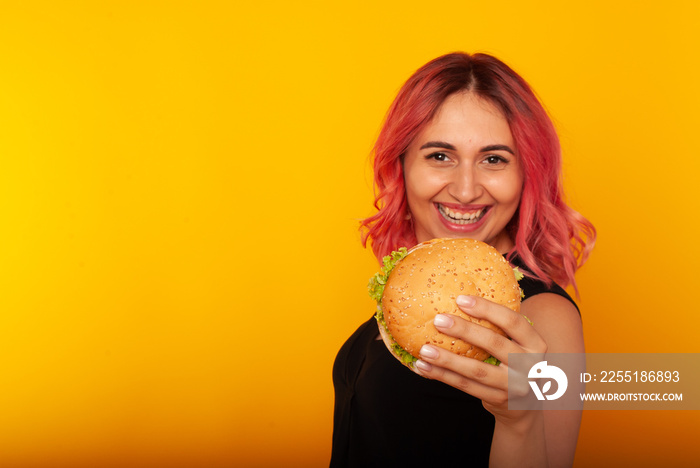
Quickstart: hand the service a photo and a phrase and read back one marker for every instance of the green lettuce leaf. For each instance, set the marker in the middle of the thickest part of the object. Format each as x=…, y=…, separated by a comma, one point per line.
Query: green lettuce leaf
x=518, y=274
x=377, y=282
x=492, y=360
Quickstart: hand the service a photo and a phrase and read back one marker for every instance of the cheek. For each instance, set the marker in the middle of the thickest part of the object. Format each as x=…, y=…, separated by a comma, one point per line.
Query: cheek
x=422, y=187
x=508, y=190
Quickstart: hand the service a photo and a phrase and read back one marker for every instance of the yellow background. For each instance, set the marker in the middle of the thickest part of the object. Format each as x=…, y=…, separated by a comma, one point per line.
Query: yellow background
x=180, y=184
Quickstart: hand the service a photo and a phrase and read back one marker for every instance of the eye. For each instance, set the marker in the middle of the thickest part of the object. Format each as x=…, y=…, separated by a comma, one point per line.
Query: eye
x=495, y=160
x=438, y=156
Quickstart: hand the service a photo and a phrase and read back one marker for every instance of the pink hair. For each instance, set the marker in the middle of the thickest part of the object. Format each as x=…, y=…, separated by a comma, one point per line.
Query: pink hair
x=551, y=239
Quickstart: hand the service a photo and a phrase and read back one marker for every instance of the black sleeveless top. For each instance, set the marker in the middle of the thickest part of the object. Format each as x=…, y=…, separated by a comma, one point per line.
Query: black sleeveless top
x=388, y=416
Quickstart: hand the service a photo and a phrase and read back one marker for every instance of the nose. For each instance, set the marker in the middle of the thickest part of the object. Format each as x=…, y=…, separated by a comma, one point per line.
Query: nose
x=465, y=184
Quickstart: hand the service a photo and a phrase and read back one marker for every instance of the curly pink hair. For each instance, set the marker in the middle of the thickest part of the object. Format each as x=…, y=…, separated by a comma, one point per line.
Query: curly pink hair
x=551, y=239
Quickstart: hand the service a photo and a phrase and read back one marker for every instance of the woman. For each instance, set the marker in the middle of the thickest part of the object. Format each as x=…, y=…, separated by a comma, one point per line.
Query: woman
x=466, y=151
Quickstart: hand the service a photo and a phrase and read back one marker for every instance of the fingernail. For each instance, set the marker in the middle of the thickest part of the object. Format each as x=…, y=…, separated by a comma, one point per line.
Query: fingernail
x=428, y=352
x=466, y=301
x=443, y=321
x=424, y=366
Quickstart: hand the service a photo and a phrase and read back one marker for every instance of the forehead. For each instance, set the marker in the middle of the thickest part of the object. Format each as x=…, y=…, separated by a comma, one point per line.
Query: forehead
x=470, y=101
x=467, y=114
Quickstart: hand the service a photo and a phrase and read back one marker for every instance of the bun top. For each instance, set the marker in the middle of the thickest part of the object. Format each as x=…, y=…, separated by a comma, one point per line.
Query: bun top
x=427, y=281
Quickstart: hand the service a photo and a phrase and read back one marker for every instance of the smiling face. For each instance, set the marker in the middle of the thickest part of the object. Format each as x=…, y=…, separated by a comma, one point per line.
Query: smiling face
x=463, y=175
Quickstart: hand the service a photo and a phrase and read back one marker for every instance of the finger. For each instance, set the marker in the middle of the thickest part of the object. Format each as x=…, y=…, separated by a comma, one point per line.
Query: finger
x=472, y=369
x=513, y=323
x=477, y=335
x=475, y=388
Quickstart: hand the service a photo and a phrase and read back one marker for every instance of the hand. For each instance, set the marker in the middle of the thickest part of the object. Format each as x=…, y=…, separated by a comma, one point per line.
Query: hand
x=484, y=381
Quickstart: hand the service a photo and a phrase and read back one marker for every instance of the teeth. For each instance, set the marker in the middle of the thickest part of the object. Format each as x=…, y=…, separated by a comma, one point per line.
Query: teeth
x=460, y=218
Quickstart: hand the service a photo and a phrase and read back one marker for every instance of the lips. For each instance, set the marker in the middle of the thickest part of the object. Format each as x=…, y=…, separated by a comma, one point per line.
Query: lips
x=461, y=217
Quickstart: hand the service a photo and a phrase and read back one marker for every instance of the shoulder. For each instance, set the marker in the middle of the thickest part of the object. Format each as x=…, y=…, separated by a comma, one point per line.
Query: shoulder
x=554, y=314
x=557, y=320
x=532, y=287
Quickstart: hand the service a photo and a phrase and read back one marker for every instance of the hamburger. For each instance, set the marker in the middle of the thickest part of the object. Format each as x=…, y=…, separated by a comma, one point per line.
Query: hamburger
x=417, y=284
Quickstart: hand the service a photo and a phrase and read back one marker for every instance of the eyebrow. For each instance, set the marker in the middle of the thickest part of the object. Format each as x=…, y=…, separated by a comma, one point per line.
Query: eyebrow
x=485, y=149
x=506, y=148
x=438, y=144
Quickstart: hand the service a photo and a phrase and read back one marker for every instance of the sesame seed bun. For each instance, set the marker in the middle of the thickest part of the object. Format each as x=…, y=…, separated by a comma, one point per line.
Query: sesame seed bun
x=427, y=281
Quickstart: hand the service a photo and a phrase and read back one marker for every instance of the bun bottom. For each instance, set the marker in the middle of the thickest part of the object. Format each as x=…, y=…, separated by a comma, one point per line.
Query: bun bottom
x=391, y=344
